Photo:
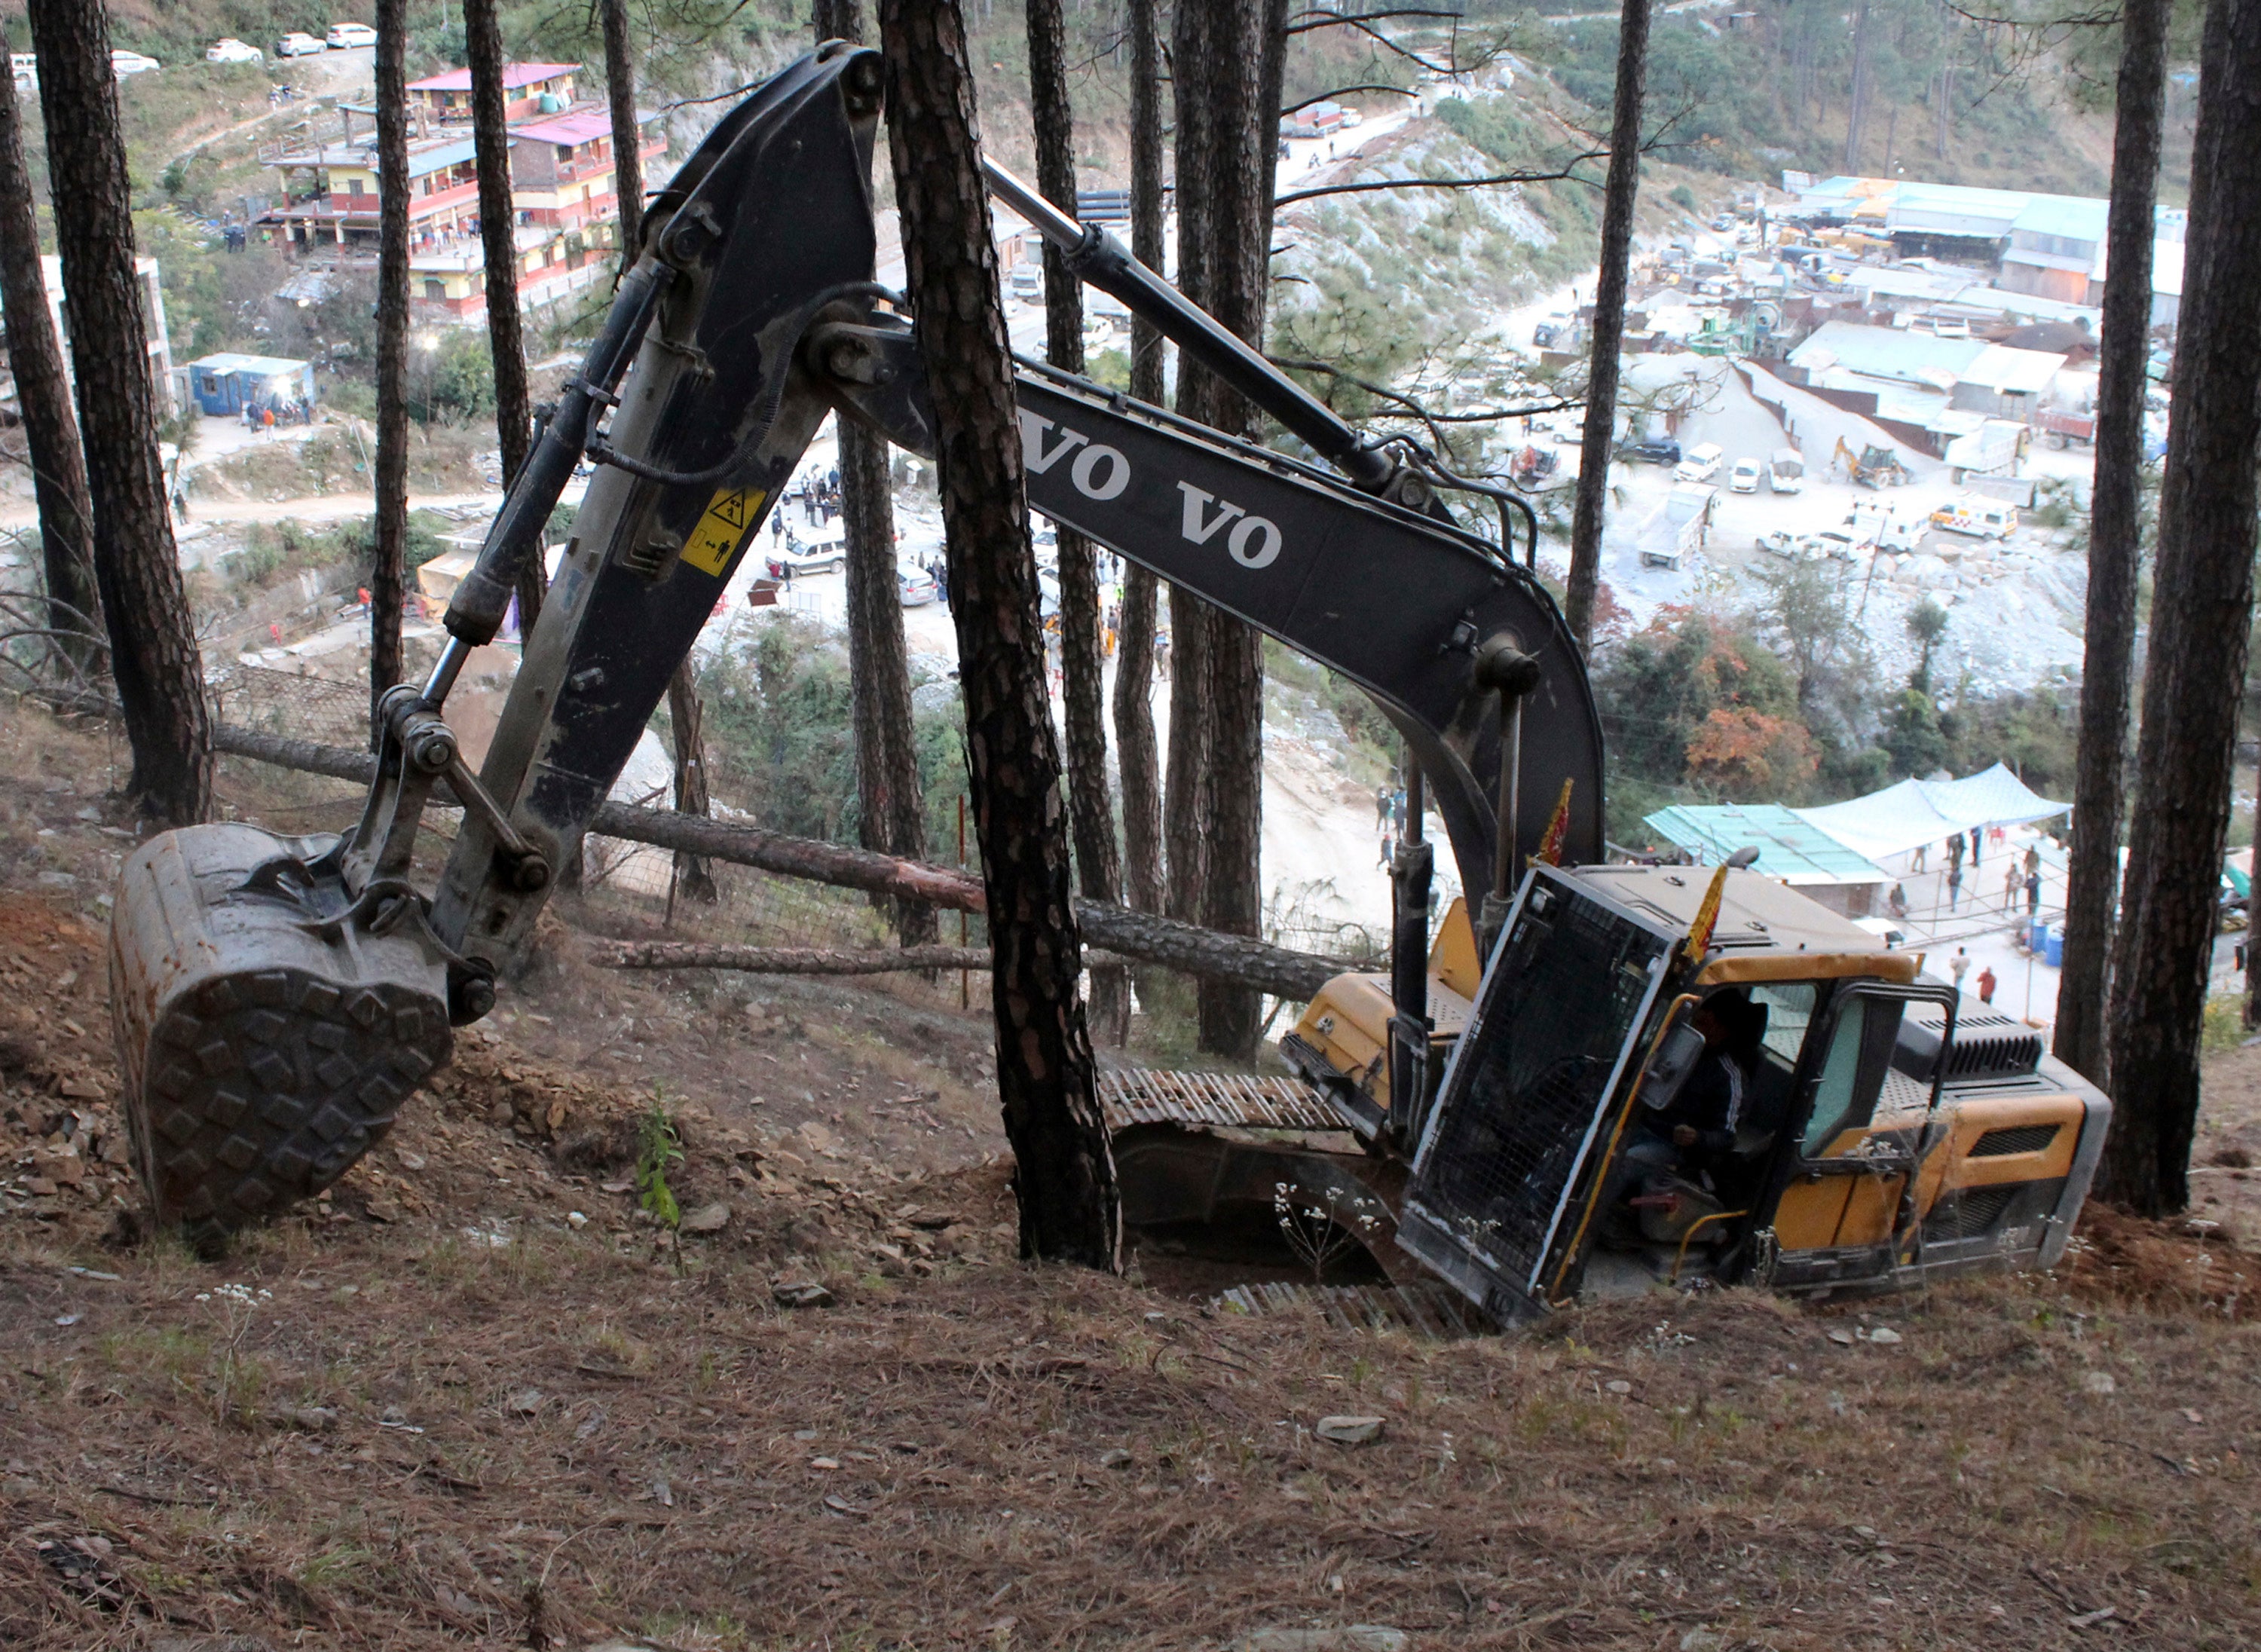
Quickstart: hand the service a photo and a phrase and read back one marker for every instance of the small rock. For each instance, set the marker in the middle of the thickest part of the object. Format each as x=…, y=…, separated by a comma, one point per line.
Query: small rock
x=708, y=1219
x=624, y=1184
x=576, y=1220
x=1844, y=1338
x=800, y=1294
x=1701, y=1639
x=1885, y=1334
x=313, y=1420
x=827, y=1464
x=2098, y=1382
x=409, y=1161
x=1618, y=1385
x=1118, y=1458
x=66, y=1318
x=525, y=1402
x=2191, y=1415
x=1349, y=1431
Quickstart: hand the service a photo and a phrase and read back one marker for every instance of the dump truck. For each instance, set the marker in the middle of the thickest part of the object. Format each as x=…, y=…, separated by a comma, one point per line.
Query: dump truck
x=1493, y=1116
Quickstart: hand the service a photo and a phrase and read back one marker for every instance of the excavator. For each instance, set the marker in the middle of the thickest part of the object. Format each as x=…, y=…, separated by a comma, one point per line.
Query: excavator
x=1487, y=1118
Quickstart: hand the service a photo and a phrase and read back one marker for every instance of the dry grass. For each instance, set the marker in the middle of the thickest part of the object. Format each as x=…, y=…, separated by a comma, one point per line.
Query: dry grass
x=459, y=1417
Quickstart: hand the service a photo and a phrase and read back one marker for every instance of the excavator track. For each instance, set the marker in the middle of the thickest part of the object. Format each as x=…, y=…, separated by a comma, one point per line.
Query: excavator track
x=1433, y=1311
x=1148, y=1096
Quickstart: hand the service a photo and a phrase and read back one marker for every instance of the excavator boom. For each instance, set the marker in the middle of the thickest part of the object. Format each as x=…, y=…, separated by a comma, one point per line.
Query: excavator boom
x=749, y=316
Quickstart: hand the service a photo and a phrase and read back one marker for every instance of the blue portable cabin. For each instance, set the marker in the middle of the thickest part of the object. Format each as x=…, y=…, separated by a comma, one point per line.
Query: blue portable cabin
x=226, y=383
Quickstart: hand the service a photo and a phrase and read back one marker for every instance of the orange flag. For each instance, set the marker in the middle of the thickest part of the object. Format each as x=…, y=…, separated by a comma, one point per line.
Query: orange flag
x=1550, y=846
x=1707, y=917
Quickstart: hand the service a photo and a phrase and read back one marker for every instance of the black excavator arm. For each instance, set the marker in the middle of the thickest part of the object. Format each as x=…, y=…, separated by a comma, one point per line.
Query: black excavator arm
x=757, y=316
x=276, y=999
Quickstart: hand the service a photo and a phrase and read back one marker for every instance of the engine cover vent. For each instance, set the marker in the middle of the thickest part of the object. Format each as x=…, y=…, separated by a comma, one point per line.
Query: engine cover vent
x=1987, y=1044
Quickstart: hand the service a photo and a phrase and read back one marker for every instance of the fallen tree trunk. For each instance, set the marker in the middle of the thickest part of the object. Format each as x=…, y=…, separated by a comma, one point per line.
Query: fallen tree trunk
x=1145, y=936
x=783, y=960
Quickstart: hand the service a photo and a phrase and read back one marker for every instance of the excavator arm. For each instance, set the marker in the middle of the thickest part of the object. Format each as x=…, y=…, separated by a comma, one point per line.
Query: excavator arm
x=276, y=998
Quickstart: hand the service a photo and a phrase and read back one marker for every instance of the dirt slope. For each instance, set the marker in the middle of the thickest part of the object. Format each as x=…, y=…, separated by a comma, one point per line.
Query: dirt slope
x=476, y=1400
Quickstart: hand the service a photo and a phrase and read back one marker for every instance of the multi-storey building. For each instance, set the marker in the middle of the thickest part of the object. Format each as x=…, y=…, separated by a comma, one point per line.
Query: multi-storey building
x=564, y=194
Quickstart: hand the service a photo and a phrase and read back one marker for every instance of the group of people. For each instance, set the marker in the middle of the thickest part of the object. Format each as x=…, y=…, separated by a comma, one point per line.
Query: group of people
x=2019, y=876
x=1390, y=818
x=265, y=415
x=819, y=496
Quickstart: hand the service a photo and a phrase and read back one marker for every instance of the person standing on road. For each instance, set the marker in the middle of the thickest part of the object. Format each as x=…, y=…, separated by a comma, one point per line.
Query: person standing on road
x=2010, y=887
x=1987, y=985
x=2032, y=894
x=1959, y=965
x=1978, y=834
x=1954, y=852
x=1921, y=861
x=1954, y=884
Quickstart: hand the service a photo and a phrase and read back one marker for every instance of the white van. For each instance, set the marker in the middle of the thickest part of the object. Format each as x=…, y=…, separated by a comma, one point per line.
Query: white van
x=1979, y=518
x=1700, y=463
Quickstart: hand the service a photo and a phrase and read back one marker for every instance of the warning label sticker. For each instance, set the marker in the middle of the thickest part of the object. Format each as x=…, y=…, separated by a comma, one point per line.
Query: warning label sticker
x=729, y=517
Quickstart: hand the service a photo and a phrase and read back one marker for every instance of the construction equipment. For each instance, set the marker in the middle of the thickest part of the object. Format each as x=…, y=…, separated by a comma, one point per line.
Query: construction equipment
x=276, y=999
x=1875, y=466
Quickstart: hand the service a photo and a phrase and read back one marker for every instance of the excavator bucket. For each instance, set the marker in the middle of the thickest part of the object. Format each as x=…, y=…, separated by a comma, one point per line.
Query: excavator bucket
x=265, y=1040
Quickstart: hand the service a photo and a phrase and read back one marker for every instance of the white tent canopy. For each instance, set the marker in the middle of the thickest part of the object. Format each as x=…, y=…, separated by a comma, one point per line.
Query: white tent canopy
x=1899, y=817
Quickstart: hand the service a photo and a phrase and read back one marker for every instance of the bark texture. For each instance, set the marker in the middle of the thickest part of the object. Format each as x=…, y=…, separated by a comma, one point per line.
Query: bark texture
x=389, y=537
x=1070, y=1208
x=1091, y=810
x=1620, y=190
x=1138, y=756
x=890, y=792
x=43, y=396
x=628, y=155
x=499, y=238
x=2114, y=541
x=154, y=658
x=1241, y=70
x=1193, y=74
x=2202, y=598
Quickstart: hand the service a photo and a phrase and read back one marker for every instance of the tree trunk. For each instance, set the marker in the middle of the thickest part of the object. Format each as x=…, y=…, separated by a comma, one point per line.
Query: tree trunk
x=1599, y=434
x=2201, y=607
x=686, y=725
x=1070, y=1208
x=2114, y=541
x=43, y=394
x=627, y=134
x=1246, y=65
x=154, y=658
x=1184, y=836
x=1091, y=811
x=1856, y=97
x=890, y=793
x=1137, y=754
x=499, y=236
x=389, y=537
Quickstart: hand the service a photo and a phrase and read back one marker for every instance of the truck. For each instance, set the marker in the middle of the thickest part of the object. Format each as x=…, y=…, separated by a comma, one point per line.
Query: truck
x=1492, y=1116
x=1786, y=471
x=1678, y=527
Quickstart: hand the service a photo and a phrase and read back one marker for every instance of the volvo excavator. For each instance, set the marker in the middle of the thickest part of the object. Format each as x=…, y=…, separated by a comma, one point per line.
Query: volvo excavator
x=1493, y=1112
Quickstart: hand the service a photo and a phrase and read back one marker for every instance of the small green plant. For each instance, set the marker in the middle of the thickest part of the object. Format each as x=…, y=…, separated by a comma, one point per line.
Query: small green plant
x=1684, y=197
x=657, y=1149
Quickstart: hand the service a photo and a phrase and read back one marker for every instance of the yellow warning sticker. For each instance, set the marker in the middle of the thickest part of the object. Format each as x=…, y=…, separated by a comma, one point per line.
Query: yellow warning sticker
x=730, y=516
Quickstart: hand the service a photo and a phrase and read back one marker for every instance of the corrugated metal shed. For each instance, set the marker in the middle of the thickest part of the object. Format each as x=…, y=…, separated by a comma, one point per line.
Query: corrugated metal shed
x=2011, y=372
x=2071, y=217
x=1898, y=355
x=1790, y=849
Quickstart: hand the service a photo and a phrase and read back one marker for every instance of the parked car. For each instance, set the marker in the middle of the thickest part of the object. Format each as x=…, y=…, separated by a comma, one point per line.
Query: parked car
x=1744, y=478
x=26, y=69
x=124, y=63
x=1979, y=518
x=344, y=37
x=1555, y=329
x=916, y=586
x=1701, y=464
x=1797, y=547
x=1663, y=450
x=297, y=44
x=1026, y=282
x=797, y=559
x=232, y=51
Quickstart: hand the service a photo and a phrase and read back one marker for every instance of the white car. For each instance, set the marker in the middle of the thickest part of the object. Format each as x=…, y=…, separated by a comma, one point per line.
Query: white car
x=1699, y=463
x=232, y=51
x=1744, y=478
x=124, y=63
x=297, y=44
x=26, y=69
x=344, y=37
